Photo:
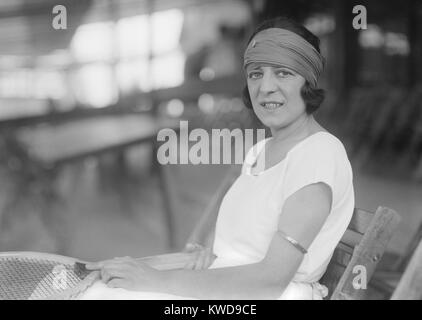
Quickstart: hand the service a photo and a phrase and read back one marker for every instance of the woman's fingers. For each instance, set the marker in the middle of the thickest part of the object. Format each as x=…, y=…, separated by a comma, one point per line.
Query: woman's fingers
x=200, y=261
x=208, y=260
x=190, y=247
x=114, y=269
x=105, y=276
x=204, y=260
x=117, y=283
x=124, y=272
x=191, y=264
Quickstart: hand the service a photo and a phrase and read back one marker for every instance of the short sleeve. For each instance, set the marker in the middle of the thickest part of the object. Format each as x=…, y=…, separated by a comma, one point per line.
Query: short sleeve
x=320, y=160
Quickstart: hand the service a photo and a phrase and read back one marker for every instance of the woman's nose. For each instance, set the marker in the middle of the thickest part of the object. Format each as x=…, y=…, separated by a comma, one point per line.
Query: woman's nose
x=268, y=83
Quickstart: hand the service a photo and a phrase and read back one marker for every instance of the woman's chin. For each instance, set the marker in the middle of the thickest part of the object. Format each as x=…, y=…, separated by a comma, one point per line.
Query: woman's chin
x=270, y=117
x=272, y=122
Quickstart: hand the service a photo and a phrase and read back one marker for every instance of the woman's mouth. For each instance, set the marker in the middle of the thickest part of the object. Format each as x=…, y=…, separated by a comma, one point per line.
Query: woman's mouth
x=271, y=105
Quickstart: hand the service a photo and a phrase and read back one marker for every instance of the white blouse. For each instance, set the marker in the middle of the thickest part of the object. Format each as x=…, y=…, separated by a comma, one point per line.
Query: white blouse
x=249, y=213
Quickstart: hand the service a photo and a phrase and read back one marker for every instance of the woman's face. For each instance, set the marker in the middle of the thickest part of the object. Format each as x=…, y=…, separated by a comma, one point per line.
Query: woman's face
x=275, y=94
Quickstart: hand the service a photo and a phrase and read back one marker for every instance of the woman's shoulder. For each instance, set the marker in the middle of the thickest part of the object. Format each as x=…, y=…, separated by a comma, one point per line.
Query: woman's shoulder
x=320, y=143
x=321, y=157
x=321, y=148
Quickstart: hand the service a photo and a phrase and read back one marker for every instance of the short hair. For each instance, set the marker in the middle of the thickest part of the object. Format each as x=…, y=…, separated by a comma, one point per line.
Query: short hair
x=313, y=97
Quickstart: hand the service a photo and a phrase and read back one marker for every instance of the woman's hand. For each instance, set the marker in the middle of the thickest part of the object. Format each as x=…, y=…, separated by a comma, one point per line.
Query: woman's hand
x=129, y=274
x=204, y=257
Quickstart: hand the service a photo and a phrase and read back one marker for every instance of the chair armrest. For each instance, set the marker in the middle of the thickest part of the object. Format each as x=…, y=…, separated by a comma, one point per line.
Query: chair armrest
x=168, y=261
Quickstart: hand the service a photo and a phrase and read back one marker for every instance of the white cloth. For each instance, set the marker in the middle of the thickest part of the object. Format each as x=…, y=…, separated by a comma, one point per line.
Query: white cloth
x=249, y=213
x=100, y=291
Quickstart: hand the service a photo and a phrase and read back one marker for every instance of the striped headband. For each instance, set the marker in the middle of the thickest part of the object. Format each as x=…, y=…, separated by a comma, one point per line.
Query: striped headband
x=283, y=47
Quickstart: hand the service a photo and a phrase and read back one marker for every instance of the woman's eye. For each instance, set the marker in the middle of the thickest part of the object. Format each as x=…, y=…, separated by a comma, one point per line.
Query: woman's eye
x=254, y=75
x=284, y=73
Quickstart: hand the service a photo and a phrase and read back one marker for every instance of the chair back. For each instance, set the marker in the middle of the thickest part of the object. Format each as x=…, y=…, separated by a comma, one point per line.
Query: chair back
x=356, y=256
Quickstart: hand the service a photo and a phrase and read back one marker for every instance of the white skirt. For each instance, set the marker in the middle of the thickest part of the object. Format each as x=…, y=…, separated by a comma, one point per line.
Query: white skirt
x=100, y=291
x=294, y=291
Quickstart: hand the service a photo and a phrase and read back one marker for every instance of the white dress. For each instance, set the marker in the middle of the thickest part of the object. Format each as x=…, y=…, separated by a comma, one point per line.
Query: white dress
x=249, y=213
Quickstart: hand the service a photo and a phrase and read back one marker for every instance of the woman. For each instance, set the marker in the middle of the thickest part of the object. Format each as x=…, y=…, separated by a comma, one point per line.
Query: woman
x=280, y=222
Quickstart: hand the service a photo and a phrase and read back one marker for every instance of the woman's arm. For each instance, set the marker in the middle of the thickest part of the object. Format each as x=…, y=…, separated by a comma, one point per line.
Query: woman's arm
x=302, y=217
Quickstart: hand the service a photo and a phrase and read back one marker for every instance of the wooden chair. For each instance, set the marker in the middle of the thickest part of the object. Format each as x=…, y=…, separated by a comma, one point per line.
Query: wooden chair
x=410, y=285
x=386, y=278
x=361, y=247
x=363, y=244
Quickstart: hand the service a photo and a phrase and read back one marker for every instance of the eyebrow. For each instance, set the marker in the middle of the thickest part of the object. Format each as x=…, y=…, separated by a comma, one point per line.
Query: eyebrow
x=257, y=66
x=254, y=66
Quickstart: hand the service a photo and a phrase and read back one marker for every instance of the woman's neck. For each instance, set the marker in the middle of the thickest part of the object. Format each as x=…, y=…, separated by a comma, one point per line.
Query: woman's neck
x=297, y=130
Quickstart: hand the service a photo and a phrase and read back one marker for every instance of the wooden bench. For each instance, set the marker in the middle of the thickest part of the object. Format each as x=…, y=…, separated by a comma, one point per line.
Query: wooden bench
x=362, y=246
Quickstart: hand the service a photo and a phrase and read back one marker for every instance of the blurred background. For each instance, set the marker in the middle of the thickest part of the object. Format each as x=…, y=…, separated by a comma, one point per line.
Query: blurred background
x=80, y=108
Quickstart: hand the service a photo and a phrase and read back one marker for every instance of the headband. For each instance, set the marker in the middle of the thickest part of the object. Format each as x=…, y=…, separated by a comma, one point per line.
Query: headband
x=285, y=48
